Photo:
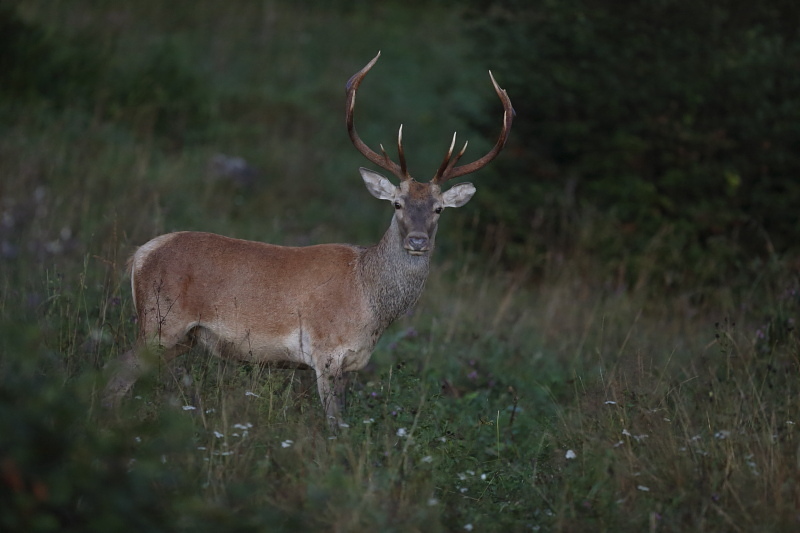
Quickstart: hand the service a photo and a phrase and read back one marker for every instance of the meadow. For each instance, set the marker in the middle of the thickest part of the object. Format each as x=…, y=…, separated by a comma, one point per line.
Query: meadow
x=540, y=395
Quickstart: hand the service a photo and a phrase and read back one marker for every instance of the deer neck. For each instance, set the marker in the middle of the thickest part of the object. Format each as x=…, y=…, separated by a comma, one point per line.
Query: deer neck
x=394, y=278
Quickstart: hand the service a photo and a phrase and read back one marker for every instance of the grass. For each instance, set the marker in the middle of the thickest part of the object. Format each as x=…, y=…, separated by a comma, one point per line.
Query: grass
x=506, y=401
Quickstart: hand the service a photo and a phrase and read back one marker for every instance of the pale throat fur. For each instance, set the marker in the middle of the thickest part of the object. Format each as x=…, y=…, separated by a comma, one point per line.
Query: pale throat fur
x=396, y=277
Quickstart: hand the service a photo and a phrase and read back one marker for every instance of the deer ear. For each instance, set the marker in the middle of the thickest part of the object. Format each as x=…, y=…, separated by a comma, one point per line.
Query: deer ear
x=378, y=186
x=458, y=195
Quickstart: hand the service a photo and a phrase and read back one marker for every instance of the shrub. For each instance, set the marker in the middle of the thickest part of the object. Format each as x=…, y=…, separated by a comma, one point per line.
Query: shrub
x=658, y=117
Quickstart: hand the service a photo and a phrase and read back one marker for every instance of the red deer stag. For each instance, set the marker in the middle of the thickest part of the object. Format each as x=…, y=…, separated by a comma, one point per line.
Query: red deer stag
x=323, y=306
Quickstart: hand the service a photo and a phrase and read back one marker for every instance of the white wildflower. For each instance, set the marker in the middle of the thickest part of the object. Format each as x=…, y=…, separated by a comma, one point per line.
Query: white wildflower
x=752, y=464
x=287, y=443
x=611, y=402
x=571, y=454
x=722, y=434
x=637, y=438
x=223, y=454
x=244, y=426
x=218, y=434
x=189, y=407
x=401, y=432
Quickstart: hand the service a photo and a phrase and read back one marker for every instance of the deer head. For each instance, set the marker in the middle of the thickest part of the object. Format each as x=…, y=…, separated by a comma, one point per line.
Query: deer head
x=418, y=205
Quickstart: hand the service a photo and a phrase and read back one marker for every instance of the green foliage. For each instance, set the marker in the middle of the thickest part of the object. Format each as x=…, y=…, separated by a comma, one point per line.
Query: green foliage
x=35, y=64
x=160, y=93
x=57, y=469
x=660, y=115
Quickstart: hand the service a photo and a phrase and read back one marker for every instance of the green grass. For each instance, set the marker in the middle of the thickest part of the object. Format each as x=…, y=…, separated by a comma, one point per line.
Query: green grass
x=554, y=401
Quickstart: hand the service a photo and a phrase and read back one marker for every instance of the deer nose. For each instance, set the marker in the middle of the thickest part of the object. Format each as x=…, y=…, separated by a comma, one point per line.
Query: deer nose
x=417, y=242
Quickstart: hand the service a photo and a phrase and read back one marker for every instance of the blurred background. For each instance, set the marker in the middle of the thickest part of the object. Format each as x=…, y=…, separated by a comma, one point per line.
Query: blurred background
x=656, y=141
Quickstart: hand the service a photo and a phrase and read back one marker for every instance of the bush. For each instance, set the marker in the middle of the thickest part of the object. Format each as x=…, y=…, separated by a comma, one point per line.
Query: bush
x=157, y=93
x=671, y=117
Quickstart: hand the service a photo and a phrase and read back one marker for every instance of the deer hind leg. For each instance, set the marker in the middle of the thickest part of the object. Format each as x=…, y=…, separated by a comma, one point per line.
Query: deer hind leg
x=132, y=364
x=331, y=383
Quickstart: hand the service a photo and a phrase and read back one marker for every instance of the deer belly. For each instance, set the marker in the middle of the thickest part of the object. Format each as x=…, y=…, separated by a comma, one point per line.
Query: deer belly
x=299, y=346
x=254, y=346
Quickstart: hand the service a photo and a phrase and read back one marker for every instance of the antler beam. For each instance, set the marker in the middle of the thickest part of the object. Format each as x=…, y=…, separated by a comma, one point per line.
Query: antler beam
x=383, y=161
x=448, y=170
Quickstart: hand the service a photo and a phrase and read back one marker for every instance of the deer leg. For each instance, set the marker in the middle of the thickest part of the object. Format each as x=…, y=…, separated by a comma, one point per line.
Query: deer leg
x=125, y=370
x=331, y=382
x=130, y=366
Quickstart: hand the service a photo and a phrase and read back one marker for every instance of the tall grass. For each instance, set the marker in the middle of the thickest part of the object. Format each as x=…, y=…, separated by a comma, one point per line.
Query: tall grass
x=505, y=401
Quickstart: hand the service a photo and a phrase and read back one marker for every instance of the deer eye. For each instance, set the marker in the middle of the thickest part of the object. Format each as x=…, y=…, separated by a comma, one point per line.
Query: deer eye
x=397, y=205
x=438, y=210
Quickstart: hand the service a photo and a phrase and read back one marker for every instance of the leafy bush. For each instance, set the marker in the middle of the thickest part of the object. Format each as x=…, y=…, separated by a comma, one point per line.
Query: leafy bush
x=160, y=93
x=671, y=117
x=34, y=64
x=59, y=474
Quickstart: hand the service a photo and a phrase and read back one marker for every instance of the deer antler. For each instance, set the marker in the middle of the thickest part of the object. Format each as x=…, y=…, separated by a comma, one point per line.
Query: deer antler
x=448, y=170
x=382, y=161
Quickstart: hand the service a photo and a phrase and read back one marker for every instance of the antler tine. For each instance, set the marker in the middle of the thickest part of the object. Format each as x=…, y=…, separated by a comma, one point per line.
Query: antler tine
x=451, y=171
x=452, y=163
x=401, y=155
x=446, y=160
x=449, y=161
x=384, y=162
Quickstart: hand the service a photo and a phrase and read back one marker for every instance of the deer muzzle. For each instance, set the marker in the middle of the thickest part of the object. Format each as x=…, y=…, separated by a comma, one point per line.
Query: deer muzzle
x=417, y=243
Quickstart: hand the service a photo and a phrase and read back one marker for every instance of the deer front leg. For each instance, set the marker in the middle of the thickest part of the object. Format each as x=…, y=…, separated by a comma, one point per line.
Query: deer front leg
x=331, y=382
